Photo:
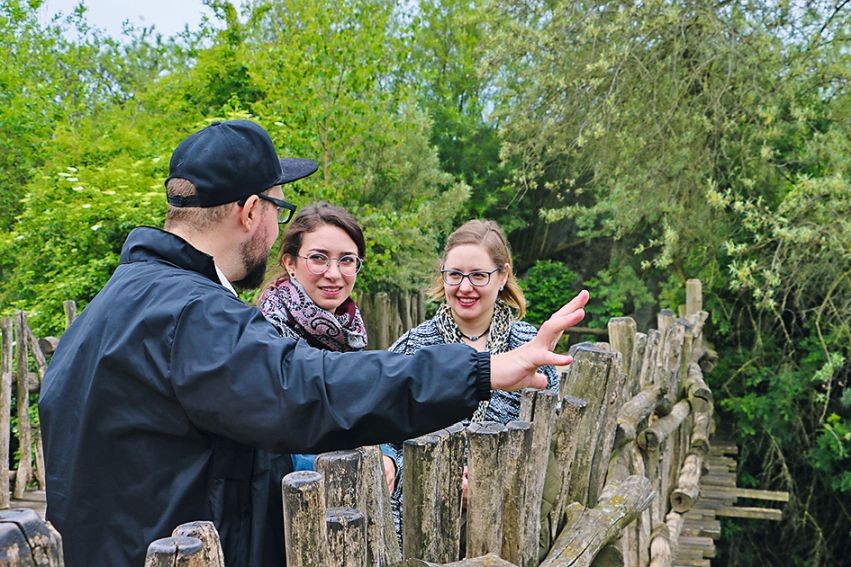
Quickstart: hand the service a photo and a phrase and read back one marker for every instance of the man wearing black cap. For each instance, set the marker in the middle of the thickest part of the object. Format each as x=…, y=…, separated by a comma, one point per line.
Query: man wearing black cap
x=165, y=392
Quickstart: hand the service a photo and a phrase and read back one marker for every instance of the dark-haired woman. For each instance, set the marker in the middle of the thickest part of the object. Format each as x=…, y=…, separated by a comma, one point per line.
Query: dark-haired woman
x=310, y=298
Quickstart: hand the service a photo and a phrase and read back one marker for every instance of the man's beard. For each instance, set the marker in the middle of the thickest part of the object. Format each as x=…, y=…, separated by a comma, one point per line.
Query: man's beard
x=254, y=258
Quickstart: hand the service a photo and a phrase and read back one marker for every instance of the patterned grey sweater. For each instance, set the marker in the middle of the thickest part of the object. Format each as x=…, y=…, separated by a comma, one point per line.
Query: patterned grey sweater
x=503, y=407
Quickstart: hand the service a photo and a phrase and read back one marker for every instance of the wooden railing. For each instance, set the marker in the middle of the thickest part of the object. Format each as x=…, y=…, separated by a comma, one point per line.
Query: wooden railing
x=622, y=443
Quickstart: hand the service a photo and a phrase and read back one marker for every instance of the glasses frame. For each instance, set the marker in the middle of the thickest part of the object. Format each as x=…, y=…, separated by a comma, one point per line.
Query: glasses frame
x=282, y=206
x=328, y=261
x=467, y=275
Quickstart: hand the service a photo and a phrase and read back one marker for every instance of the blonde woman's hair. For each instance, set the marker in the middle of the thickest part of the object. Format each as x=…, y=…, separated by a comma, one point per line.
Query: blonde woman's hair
x=487, y=234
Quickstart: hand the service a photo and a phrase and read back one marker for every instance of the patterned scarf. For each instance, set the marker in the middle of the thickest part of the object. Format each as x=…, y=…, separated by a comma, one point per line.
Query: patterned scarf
x=286, y=304
x=497, y=341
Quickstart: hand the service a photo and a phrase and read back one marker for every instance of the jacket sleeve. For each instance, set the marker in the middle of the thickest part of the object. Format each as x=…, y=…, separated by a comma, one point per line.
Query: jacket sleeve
x=236, y=377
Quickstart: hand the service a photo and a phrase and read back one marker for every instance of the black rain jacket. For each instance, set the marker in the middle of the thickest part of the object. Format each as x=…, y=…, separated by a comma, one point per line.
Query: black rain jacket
x=164, y=395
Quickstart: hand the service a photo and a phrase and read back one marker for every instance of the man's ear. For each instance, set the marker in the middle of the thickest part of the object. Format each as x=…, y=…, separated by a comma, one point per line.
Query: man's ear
x=249, y=212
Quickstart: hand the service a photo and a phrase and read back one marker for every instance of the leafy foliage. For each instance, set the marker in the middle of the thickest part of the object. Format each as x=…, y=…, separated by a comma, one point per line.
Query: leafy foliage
x=545, y=286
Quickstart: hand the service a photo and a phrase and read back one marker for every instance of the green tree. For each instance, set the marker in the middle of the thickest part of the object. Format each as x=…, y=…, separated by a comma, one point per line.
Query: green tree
x=695, y=139
x=103, y=171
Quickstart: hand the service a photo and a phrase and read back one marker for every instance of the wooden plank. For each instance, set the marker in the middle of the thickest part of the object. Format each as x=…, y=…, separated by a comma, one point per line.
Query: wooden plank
x=712, y=530
x=722, y=448
x=750, y=513
x=753, y=493
x=717, y=460
x=705, y=544
x=717, y=480
x=689, y=554
x=693, y=563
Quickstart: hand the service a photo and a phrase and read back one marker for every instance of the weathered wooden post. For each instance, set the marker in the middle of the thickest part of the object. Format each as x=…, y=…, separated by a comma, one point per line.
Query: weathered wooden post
x=596, y=377
x=205, y=532
x=382, y=304
x=420, y=481
x=648, y=361
x=538, y=408
x=175, y=552
x=656, y=434
x=622, y=340
x=34, y=385
x=26, y=539
x=694, y=296
x=341, y=471
x=588, y=530
x=566, y=441
x=432, y=479
x=304, y=519
x=517, y=453
x=346, y=537
x=22, y=397
x=484, y=491
x=382, y=545
x=688, y=485
x=70, y=312
x=5, y=408
x=450, y=475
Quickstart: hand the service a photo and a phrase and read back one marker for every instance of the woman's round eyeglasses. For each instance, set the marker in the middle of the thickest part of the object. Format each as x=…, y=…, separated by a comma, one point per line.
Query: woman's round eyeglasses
x=318, y=263
x=478, y=278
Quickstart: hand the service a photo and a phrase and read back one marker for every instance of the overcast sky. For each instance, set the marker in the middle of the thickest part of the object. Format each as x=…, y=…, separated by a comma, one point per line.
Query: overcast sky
x=169, y=16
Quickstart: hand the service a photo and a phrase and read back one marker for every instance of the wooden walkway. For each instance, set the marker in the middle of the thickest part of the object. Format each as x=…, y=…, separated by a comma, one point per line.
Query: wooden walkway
x=718, y=497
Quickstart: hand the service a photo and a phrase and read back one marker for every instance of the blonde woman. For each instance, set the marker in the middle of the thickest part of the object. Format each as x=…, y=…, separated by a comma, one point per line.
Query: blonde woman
x=482, y=305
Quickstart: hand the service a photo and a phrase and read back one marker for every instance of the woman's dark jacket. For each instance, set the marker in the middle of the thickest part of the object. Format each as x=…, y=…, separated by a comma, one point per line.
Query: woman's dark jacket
x=163, y=390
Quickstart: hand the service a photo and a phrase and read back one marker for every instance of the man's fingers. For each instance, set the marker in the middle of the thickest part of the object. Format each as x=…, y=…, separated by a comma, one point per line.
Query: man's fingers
x=554, y=359
x=550, y=332
x=577, y=302
x=538, y=381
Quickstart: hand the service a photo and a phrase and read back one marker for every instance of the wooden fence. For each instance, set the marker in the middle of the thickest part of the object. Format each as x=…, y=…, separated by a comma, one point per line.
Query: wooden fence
x=389, y=314
x=622, y=443
x=624, y=440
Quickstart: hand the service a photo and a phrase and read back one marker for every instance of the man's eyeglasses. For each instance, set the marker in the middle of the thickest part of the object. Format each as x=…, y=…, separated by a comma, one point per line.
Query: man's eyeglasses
x=318, y=263
x=478, y=278
x=285, y=210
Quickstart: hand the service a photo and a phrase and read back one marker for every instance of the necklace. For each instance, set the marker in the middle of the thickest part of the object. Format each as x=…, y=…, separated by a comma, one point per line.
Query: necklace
x=474, y=338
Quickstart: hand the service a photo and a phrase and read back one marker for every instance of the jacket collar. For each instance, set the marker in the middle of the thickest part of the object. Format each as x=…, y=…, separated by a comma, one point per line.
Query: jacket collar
x=145, y=244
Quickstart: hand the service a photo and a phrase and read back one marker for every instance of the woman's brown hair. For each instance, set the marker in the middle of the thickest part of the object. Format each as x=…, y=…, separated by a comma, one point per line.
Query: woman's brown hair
x=487, y=234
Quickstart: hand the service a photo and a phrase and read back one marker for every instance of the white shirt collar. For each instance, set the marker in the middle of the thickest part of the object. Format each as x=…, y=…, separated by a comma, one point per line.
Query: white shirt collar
x=224, y=280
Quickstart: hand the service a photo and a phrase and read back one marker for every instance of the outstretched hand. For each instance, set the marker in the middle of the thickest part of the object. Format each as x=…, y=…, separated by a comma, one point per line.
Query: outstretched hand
x=517, y=369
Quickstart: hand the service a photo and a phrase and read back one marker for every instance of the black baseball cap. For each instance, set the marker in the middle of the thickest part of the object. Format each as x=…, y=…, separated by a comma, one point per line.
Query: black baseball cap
x=229, y=161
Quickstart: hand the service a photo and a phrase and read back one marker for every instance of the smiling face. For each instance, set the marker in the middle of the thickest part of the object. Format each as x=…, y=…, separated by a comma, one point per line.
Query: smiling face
x=331, y=289
x=472, y=306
